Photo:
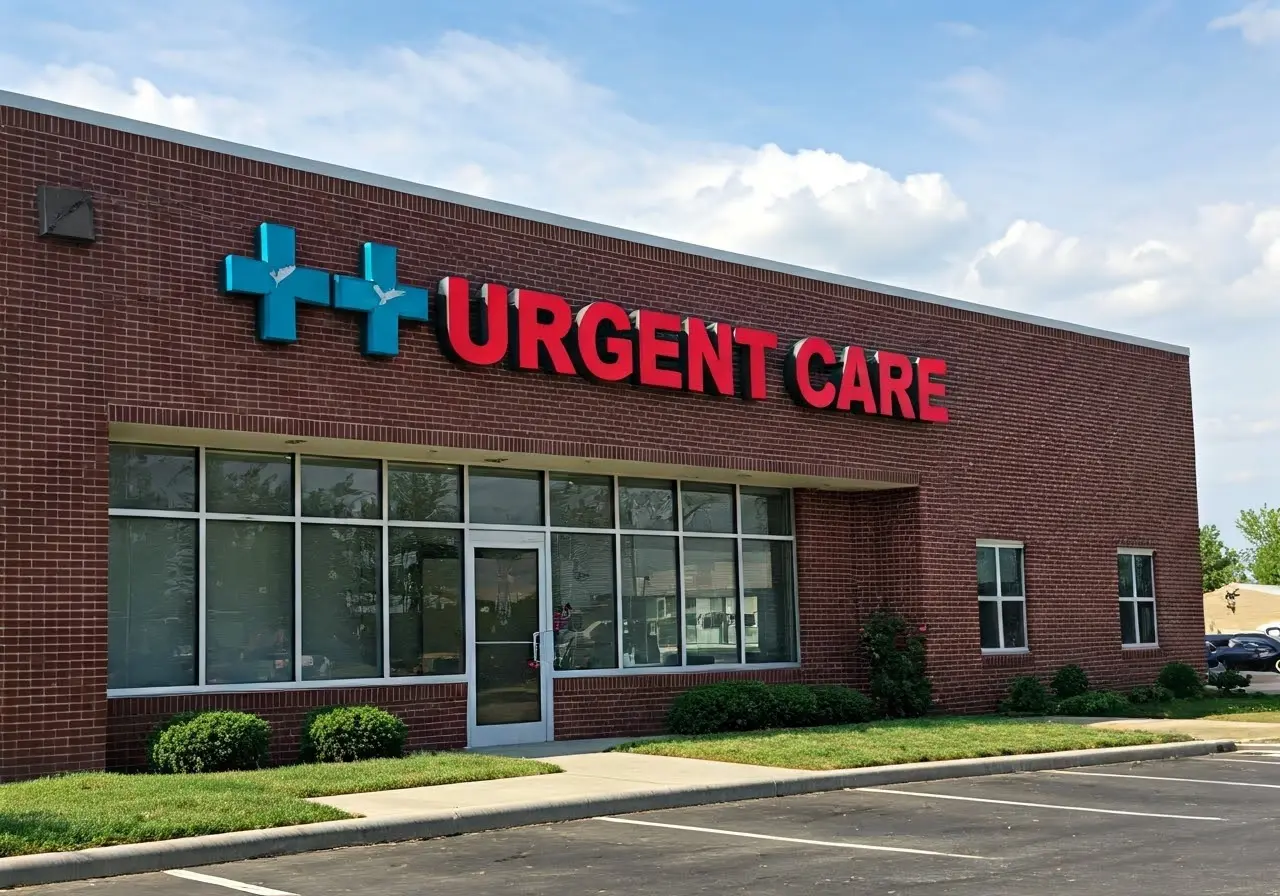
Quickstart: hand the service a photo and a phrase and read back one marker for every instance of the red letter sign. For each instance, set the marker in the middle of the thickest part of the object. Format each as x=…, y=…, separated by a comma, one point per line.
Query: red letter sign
x=799, y=373
x=753, y=344
x=607, y=359
x=651, y=348
x=541, y=323
x=855, y=382
x=710, y=351
x=927, y=389
x=896, y=375
x=454, y=322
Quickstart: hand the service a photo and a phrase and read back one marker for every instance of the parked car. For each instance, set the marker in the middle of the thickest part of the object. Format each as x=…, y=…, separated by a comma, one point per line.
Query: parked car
x=1244, y=652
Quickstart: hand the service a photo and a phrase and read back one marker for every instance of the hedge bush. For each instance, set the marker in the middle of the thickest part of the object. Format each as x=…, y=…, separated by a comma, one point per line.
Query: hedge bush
x=210, y=742
x=1094, y=703
x=1151, y=693
x=352, y=733
x=1028, y=694
x=1070, y=681
x=842, y=706
x=754, y=706
x=896, y=665
x=1182, y=680
x=1230, y=681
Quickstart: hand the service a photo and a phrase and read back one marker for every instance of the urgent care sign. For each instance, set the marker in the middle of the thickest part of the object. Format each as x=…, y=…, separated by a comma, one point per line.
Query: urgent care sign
x=525, y=329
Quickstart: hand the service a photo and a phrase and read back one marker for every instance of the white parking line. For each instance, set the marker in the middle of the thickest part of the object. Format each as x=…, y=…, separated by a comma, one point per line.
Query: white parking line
x=1274, y=763
x=229, y=884
x=974, y=799
x=1158, y=778
x=839, y=844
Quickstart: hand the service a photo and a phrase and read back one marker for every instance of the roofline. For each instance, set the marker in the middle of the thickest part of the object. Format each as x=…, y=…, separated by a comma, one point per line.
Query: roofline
x=270, y=157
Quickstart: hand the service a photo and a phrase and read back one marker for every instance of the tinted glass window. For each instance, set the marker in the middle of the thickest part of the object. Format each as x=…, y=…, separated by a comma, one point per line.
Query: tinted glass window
x=581, y=502
x=424, y=494
x=647, y=504
x=707, y=508
x=341, y=489
x=144, y=478
x=249, y=483
x=506, y=497
x=987, y=572
x=766, y=511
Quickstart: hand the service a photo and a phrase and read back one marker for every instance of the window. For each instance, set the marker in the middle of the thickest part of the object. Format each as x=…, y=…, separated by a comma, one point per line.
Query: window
x=237, y=570
x=1136, y=574
x=1002, y=602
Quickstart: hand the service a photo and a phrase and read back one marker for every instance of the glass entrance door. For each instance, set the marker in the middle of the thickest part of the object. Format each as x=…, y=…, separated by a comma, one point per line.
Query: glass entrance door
x=509, y=689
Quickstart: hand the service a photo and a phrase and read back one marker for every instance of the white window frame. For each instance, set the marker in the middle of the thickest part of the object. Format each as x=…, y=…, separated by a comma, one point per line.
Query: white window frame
x=1000, y=598
x=467, y=528
x=1133, y=600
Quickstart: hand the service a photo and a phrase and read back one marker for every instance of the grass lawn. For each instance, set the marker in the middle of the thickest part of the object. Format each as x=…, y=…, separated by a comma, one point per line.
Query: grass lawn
x=889, y=743
x=96, y=809
x=1212, y=708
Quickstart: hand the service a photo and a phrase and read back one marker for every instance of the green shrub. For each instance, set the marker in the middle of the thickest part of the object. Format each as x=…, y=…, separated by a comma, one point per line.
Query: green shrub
x=1070, y=681
x=841, y=706
x=1150, y=693
x=210, y=742
x=793, y=706
x=745, y=705
x=1028, y=694
x=352, y=733
x=900, y=687
x=1230, y=681
x=1182, y=680
x=754, y=706
x=1095, y=703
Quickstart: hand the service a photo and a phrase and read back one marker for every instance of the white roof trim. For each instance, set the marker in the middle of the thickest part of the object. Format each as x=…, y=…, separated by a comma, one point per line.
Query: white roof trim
x=269, y=157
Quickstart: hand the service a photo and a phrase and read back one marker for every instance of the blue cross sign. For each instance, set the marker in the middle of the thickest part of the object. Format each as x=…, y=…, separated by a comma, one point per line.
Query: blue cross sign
x=383, y=301
x=275, y=278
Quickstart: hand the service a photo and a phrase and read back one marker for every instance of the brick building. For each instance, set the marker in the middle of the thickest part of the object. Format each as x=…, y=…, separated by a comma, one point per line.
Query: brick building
x=271, y=443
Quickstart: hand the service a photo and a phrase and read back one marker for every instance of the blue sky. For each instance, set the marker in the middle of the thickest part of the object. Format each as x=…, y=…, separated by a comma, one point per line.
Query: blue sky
x=1112, y=163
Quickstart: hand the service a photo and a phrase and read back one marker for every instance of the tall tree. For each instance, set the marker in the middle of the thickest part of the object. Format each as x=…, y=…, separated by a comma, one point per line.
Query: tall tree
x=1261, y=528
x=1219, y=564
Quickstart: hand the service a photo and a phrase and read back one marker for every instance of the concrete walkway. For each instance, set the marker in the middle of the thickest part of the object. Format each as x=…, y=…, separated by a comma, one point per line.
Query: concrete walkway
x=1200, y=729
x=586, y=775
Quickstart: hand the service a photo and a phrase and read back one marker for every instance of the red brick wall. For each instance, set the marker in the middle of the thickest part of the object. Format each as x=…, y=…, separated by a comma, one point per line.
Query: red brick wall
x=436, y=716
x=1072, y=443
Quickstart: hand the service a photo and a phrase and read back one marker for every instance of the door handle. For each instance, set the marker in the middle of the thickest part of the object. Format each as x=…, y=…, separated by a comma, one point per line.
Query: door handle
x=537, y=644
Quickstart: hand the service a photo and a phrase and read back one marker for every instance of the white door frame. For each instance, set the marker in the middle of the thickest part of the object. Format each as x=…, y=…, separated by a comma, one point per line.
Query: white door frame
x=542, y=642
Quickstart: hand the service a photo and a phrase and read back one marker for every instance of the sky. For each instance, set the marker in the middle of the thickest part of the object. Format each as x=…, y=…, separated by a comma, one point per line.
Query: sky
x=1114, y=163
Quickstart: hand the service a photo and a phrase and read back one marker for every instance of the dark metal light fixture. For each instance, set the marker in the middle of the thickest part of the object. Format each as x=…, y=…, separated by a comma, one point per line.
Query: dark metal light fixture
x=66, y=213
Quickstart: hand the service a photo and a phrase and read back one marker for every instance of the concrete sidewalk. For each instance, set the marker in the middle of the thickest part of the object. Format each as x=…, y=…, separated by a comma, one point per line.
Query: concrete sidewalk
x=1200, y=729
x=585, y=776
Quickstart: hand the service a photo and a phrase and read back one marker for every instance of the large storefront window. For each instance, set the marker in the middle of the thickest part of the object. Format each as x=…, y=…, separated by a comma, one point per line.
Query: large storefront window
x=232, y=569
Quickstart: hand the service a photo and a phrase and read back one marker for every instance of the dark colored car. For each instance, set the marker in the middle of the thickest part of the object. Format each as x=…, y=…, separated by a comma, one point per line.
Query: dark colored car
x=1244, y=652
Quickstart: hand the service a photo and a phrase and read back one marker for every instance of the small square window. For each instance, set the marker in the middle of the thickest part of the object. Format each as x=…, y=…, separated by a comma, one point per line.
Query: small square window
x=146, y=478
x=647, y=504
x=765, y=511
x=341, y=489
x=707, y=508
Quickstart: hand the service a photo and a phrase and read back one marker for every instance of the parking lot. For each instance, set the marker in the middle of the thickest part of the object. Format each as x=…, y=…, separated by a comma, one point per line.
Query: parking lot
x=1171, y=827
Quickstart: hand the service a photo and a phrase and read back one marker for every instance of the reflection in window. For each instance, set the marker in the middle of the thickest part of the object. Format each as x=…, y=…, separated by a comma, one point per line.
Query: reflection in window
x=341, y=614
x=650, y=601
x=1136, y=574
x=768, y=602
x=707, y=507
x=1002, y=623
x=710, y=600
x=505, y=497
x=424, y=494
x=248, y=602
x=341, y=489
x=151, y=603
x=584, y=601
x=766, y=511
x=145, y=478
x=425, y=569
x=581, y=502
x=249, y=483
x=647, y=504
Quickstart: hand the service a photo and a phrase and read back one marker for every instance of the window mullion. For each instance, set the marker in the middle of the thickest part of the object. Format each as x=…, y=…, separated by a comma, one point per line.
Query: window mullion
x=618, y=649
x=297, y=567
x=201, y=650
x=385, y=567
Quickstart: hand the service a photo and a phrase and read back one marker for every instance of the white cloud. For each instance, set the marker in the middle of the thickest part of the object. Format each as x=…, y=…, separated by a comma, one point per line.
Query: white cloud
x=1258, y=22
x=962, y=30
x=976, y=87
x=516, y=124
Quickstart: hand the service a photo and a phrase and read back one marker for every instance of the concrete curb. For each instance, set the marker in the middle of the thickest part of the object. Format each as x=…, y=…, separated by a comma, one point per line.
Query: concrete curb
x=112, y=861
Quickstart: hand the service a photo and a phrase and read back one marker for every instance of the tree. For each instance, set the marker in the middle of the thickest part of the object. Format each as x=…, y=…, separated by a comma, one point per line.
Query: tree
x=1261, y=528
x=1219, y=564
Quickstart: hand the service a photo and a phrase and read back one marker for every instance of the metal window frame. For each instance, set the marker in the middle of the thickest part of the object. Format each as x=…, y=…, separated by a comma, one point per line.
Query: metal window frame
x=1000, y=598
x=1134, y=600
x=468, y=531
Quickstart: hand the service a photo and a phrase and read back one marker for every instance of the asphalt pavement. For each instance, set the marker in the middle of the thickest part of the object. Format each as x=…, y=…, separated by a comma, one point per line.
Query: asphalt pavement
x=1171, y=827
